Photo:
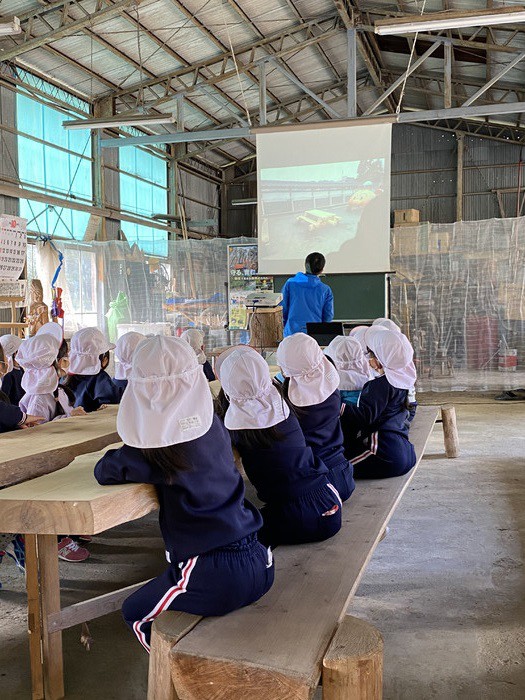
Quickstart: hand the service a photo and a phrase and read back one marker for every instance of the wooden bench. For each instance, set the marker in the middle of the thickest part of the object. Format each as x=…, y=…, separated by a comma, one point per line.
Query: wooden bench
x=278, y=648
x=67, y=500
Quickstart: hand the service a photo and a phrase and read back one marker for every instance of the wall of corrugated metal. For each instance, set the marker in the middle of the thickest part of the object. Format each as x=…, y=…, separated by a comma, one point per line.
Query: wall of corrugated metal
x=424, y=174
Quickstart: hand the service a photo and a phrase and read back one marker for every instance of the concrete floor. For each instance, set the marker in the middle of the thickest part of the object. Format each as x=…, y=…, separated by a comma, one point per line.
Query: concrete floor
x=446, y=587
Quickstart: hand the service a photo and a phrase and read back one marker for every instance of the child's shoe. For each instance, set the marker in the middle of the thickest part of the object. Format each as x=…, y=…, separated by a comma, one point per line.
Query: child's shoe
x=68, y=550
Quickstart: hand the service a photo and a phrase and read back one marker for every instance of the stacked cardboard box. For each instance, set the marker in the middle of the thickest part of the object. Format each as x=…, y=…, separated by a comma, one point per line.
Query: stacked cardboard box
x=402, y=217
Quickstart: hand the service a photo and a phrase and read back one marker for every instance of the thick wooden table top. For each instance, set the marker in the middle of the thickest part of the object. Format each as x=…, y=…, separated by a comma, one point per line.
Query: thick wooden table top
x=71, y=500
x=25, y=454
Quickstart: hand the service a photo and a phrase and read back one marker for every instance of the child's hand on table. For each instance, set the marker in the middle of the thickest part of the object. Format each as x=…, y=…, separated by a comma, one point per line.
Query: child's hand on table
x=30, y=421
x=78, y=411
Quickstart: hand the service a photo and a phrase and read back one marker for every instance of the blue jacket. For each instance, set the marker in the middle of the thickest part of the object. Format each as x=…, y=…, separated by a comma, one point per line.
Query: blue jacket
x=92, y=391
x=12, y=385
x=306, y=300
x=287, y=469
x=203, y=508
x=10, y=417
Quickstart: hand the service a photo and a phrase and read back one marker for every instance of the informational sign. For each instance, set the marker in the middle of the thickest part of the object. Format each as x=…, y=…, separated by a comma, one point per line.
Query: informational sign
x=13, y=247
x=13, y=290
x=243, y=279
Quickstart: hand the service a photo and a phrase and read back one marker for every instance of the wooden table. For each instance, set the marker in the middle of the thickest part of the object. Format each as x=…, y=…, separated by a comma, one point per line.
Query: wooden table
x=66, y=501
x=25, y=454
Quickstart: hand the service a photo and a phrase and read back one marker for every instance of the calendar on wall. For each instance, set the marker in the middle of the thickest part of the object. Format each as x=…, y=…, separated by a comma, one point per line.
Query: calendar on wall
x=13, y=247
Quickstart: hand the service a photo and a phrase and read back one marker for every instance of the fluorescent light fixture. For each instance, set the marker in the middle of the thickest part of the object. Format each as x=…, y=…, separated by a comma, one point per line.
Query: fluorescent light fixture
x=243, y=202
x=118, y=121
x=434, y=21
x=10, y=27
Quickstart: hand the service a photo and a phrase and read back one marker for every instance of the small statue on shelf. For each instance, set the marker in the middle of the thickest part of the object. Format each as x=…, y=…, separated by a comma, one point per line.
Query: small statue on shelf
x=38, y=312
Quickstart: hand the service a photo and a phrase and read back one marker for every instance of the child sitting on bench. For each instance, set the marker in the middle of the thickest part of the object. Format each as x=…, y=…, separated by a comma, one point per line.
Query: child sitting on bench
x=376, y=429
x=350, y=361
x=88, y=379
x=310, y=386
x=124, y=350
x=12, y=381
x=174, y=440
x=301, y=504
x=195, y=338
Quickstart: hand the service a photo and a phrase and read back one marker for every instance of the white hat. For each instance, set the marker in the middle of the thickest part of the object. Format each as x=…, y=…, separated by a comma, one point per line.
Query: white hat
x=124, y=350
x=196, y=339
x=254, y=401
x=227, y=353
x=387, y=323
x=312, y=377
x=10, y=345
x=395, y=353
x=53, y=329
x=359, y=334
x=167, y=400
x=37, y=356
x=87, y=345
x=350, y=362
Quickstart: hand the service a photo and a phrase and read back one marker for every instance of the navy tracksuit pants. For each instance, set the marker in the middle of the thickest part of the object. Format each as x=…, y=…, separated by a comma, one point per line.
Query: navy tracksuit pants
x=341, y=475
x=312, y=517
x=210, y=584
x=381, y=455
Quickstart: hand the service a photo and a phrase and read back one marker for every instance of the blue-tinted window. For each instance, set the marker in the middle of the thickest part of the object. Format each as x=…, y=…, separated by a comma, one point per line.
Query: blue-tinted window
x=59, y=162
x=143, y=191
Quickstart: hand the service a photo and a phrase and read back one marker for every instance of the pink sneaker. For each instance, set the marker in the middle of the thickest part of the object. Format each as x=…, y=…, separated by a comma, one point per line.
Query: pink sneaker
x=68, y=550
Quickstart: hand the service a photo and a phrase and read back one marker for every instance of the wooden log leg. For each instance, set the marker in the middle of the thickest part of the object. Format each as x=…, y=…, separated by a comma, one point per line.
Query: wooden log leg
x=353, y=664
x=43, y=587
x=450, y=431
x=167, y=629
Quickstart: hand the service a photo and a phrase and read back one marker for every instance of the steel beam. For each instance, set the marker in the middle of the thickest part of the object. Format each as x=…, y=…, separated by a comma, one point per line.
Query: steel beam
x=67, y=26
x=494, y=80
x=184, y=137
x=447, y=92
x=402, y=78
x=262, y=94
x=351, y=108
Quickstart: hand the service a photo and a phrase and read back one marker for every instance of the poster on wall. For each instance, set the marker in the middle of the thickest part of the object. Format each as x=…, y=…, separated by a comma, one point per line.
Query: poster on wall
x=243, y=279
x=13, y=247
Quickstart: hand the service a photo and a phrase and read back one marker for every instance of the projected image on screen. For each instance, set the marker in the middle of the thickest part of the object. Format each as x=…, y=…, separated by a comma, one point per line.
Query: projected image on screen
x=308, y=201
x=328, y=190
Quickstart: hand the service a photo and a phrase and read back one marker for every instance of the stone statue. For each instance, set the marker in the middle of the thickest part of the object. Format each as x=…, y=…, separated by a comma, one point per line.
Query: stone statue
x=38, y=312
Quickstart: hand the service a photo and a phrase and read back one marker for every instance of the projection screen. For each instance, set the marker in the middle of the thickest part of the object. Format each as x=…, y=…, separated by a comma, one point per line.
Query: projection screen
x=325, y=190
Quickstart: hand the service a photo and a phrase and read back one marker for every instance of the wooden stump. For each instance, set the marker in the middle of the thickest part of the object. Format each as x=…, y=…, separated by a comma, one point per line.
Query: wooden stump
x=167, y=629
x=353, y=664
x=450, y=431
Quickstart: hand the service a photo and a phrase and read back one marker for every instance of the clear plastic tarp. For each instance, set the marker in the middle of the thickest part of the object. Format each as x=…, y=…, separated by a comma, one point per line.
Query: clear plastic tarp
x=458, y=294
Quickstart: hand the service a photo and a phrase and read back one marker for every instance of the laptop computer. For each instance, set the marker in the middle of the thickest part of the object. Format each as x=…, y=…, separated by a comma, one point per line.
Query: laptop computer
x=324, y=333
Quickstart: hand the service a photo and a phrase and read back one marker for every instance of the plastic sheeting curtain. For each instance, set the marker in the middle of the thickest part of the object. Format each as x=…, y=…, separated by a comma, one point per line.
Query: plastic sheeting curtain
x=458, y=295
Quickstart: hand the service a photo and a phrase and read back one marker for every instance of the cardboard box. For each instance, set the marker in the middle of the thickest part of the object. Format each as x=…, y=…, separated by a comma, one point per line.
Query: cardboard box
x=402, y=216
x=405, y=242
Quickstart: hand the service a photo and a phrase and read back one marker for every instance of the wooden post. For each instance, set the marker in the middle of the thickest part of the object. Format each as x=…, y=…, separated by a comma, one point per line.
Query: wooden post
x=167, y=629
x=353, y=664
x=450, y=431
x=43, y=592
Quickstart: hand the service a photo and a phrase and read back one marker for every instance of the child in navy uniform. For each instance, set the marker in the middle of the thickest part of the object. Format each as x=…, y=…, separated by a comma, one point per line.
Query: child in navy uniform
x=310, y=386
x=351, y=364
x=12, y=380
x=12, y=417
x=301, y=504
x=88, y=380
x=174, y=441
x=196, y=339
x=376, y=430
x=124, y=350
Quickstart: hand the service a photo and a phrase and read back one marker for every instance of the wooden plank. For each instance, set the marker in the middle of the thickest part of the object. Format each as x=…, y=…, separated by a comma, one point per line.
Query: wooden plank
x=167, y=630
x=53, y=445
x=353, y=664
x=450, y=431
x=92, y=608
x=70, y=500
x=256, y=650
x=49, y=583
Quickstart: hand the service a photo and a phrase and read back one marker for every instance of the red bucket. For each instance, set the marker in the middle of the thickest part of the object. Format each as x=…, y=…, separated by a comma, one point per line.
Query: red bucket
x=508, y=361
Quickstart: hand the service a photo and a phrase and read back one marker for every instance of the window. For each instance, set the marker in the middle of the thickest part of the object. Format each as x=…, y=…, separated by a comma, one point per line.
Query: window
x=56, y=161
x=143, y=191
x=81, y=277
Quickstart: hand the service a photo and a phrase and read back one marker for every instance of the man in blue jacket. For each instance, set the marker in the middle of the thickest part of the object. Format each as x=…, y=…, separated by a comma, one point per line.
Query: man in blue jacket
x=306, y=299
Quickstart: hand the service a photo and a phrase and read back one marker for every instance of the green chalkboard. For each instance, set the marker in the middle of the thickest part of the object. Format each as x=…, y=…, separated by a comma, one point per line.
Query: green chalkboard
x=357, y=297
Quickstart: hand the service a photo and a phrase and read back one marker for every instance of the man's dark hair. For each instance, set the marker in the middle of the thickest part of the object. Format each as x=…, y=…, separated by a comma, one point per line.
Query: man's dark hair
x=315, y=263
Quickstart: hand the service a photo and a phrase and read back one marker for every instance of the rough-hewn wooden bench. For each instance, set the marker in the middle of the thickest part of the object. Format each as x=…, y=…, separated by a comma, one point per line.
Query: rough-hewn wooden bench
x=67, y=500
x=278, y=648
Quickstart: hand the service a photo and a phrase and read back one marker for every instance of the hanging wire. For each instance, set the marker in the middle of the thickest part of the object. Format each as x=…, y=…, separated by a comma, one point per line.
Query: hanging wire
x=248, y=118
x=398, y=108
